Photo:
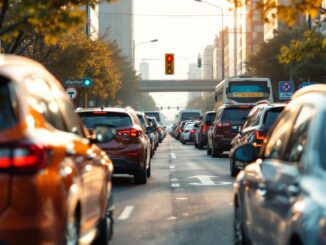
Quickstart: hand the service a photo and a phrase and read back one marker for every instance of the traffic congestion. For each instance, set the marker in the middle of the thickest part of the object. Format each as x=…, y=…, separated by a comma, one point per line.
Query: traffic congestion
x=96, y=151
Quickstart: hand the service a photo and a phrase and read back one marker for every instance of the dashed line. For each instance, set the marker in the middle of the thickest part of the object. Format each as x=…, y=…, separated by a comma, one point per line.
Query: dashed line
x=173, y=156
x=126, y=213
x=174, y=180
x=172, y=167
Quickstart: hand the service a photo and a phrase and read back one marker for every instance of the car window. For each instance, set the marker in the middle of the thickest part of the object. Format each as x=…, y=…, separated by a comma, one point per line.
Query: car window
x=113, y=119
x=7, y=104
x=235, y=115
x=279, y=136
x=322, y=142
x=45, y=102
x=210, y=117
x=299, y=134
x=271, y=116
x=142, y=121
x=252, y=118
x=189, y=126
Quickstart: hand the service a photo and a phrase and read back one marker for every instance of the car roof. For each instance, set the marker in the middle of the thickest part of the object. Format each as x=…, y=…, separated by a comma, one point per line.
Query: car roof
x=105, y=109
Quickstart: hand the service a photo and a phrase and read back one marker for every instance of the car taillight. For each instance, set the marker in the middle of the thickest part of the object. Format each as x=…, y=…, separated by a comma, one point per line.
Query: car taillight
x=192, y=131
x=204, y=128
x=130, y=132
x=159, y=129
x=179, y=130
x=260, y=135
x=23, y=157
x=223, y=124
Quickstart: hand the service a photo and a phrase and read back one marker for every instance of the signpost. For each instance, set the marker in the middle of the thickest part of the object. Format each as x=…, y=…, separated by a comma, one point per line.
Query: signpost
x=72, y=92
x=286, y=90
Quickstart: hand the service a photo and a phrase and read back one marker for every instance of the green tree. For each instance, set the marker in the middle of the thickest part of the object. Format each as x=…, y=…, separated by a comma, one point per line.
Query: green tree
x=204, y=104
x=50, y=19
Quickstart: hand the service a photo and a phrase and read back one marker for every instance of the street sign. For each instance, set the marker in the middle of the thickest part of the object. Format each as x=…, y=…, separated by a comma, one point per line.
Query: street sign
x=72, y=92
x=286, y=90
x=85, y=82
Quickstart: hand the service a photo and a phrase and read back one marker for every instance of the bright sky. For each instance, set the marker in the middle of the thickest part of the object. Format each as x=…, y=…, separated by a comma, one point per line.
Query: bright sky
x=182, y=27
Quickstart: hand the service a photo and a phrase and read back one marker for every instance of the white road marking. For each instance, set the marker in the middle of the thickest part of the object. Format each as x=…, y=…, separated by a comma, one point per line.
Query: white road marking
x=172, y=167
x=172, y=218
x=173, y=156
x=175, y=185
x=126, y=213
x=174, y=180
x=205, y=180
x=193, y=166
x=181, y=198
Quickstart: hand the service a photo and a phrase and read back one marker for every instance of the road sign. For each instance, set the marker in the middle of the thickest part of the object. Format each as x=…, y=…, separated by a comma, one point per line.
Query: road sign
x=305, y=84
x=72, y=92
x=286, y=90
x=85, y=82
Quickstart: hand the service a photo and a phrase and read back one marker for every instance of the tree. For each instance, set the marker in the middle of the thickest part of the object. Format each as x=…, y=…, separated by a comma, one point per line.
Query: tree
x=204, y=104
x=50, y=19
x=78, y=57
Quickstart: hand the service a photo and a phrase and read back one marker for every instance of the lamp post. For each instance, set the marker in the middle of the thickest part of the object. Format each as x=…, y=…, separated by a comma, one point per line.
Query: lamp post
x=222, y=32
x=137, y=44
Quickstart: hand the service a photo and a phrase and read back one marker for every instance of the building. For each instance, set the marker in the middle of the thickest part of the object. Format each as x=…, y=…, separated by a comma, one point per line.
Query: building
x=194, y=72
x=207, y=62
x=144, y=70
x=116, y=24
x=217, y=58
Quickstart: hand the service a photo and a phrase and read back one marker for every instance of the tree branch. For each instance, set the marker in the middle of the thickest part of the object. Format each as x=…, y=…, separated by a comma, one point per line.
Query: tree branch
x=5, y=5
x=10, y=28
x=18, y=41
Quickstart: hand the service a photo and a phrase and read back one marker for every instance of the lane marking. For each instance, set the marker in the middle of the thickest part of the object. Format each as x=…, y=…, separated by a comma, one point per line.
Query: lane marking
x=174, y=180
x=175, y=185
x=172, y=166
x=193, y=166
x=173, y=156
x=126, y=213
x=181, y=198
x=172, y=218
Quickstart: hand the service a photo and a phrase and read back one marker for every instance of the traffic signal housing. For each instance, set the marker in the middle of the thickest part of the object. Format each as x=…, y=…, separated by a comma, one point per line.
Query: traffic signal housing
x=169, y=64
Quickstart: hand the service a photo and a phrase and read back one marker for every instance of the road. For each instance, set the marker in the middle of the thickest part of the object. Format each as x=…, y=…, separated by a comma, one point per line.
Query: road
x=180, y=204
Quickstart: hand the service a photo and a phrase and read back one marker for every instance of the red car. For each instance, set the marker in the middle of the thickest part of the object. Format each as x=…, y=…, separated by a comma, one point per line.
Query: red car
x=126, y=142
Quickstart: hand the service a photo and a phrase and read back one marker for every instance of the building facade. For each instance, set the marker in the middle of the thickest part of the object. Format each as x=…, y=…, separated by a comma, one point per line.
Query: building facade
x=116, y=24
x=194, y=72
x=144, y=70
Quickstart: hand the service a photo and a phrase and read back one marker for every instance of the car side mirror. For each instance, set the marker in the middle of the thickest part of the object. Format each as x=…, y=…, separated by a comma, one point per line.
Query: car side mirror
x=245, y=153
x=150, y=129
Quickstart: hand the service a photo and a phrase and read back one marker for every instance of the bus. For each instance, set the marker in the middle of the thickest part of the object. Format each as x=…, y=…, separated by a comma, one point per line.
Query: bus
x=188, y=114
x=243, y=90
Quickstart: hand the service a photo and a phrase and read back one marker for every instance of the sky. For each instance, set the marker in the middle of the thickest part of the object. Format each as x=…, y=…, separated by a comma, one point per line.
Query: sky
x=182, y=27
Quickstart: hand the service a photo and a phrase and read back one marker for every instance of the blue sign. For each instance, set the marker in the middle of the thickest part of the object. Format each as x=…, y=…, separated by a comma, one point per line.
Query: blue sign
x=286, y=90
x=305, y=84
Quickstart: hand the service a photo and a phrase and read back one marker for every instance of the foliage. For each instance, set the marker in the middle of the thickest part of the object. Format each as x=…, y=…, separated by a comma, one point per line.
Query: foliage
x=50, y=18
x=204, y=104
x=79, y=57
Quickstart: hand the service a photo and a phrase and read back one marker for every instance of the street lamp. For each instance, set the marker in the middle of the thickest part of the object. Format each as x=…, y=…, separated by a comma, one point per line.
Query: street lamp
x=222, y=32
x=137, y=44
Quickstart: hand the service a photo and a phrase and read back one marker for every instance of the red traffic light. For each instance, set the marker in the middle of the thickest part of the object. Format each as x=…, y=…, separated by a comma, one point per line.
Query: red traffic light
x=169, y=57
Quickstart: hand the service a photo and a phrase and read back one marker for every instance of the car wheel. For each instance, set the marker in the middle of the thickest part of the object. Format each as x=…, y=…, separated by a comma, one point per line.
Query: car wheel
x=215, y=152
x=196, y=145
x=200, y=146
x=209, y=150
x=239, y=237
x=148, y=171
x=72, y=231
x=141, y=177
x=233, y=170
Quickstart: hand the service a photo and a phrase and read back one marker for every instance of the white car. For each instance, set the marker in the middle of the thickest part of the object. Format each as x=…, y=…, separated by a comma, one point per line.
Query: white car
x=185, y=134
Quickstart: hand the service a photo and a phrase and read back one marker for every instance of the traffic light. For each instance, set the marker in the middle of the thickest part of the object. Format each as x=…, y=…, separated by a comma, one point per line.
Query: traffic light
x=87, y=82
x=169, y=64
x=199, y=62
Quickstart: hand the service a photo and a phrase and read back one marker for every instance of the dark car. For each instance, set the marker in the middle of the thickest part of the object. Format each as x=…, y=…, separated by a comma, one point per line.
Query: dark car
x=55, y=183
x=255, y=130
x=126, y=144
x=158, y=128
x=149, y=129
x=226, y=125
x=153, y=124
x=201, y=134
x=279, y=198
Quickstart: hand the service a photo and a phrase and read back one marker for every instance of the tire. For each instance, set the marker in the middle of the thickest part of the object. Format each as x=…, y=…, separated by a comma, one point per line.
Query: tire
x=239, y=237
x=233, y=170
x=141, y=177
x=196, y=145
x=209, y=150
x=183, y=142
x=105, y=227
x=200, y=146
x=215, y=152
x=72, y=231
x=148, y=171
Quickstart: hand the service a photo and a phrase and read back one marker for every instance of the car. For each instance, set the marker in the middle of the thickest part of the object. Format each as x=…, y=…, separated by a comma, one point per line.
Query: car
x=255, y=130
x=181, y=128
x=201, y=134
x=226, y=125
x=158, y=129
x=55, y=181
x=149, y=129
x=155, y=114
x=188, y=133
x=127, y=144
x=279, y=196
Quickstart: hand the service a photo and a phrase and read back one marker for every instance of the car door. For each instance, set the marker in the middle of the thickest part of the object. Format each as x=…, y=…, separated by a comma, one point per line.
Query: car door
x=259, y=177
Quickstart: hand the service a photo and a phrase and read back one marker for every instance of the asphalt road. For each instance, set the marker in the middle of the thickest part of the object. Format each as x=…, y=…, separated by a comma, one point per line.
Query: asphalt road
x=188, y=200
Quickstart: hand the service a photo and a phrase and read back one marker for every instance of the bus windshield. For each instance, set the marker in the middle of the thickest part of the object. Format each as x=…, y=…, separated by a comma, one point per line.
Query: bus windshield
x=247, y=92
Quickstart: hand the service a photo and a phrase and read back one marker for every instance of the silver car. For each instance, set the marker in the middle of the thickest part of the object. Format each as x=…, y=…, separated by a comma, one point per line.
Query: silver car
x=280, y=197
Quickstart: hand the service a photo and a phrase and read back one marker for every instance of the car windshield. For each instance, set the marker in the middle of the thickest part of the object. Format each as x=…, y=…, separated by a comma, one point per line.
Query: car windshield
x=210, y=117
x=113, y=119
x=271, y=117
x=153, y=114
x=142, y=120
x=235, y=115
x=190, y=126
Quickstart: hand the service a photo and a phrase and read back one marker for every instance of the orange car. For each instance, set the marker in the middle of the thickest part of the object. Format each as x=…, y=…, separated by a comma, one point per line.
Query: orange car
x=55, y=183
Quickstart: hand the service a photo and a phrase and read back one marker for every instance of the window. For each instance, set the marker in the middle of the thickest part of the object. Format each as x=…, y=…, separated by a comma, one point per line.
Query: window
x=299, y=134
x=271, y=117
x=112, y=119
x=7, y=104
x=278, y=139
x=322, y=142
x=235, y=115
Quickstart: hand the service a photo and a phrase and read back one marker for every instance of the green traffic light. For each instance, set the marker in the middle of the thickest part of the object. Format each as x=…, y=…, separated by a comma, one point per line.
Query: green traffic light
x=87, y=82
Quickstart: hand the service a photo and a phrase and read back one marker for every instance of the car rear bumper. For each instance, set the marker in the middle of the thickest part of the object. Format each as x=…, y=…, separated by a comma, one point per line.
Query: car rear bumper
x=222, y=144
x=203, y=139
x=126, y=166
